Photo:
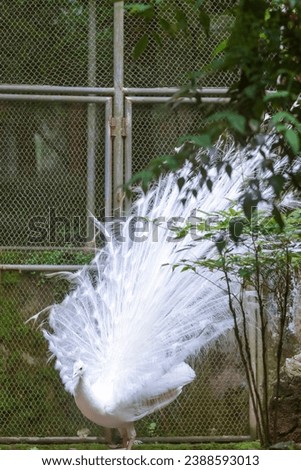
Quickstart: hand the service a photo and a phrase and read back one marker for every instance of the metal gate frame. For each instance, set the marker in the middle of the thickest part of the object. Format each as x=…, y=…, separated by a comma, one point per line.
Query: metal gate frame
x=118, y=101
x=28, y=94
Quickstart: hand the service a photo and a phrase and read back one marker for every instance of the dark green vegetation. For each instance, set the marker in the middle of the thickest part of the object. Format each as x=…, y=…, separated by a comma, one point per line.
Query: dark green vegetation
x=262, y=53
x=53, y=257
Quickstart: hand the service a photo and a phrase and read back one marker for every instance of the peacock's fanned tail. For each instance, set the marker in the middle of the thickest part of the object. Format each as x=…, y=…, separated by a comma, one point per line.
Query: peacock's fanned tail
x=132, y=318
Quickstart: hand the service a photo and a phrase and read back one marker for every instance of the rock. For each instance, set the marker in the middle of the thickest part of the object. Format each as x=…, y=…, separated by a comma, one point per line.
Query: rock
x=83, y=432
x=293, y=366
x=288, y=445
x=289, y=410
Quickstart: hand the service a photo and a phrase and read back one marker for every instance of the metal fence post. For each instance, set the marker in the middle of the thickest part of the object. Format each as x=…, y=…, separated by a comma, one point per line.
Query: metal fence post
x=118, y=105
x=91, y=121
x=108, y=160
x=251, y=306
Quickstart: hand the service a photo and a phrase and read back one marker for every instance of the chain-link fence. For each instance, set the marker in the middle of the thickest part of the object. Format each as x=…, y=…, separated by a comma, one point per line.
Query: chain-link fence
x=49, y=42
x=168, y=64
x=156, y=128
x=60, y=155
x=43, y=180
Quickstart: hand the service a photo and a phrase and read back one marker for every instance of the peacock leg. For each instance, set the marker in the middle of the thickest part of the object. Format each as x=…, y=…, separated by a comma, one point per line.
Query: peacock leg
x=131, y=434
x=124, y=436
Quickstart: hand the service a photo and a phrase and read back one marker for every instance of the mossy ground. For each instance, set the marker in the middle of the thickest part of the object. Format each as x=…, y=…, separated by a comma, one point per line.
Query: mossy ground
x=206, y=446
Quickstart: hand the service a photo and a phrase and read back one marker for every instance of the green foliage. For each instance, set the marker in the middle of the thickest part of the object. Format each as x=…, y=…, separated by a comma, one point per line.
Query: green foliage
x=151, y=428
x=52, y=257
x=255, y=254
x=267, y=246
x=10, y=278
x=264, y=42
x=140, y=46
x=162, y=20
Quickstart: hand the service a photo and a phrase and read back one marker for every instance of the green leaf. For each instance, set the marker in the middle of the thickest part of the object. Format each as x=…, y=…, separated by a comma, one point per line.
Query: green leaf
x=251, y=91
x=277, y=182
x=293, y=140
x=140, y=46
x=286, y=117
x=204, y=20
x=220, y=245
x=143, y=178
x=276, y=95
x=157, y=38
x=228, y=169
x=236, y=227
x=181, y=20
x=244, y=273
x=180, y=182
x=278, y=217
x=203, y=172
x=169, y=162
x=139, y=8
x=209, y=184
x=236, y=121
x=220, y=48
x=202, y=140
x=186, y=268
x=249, y=205
x=168, y=27
x=199, y=3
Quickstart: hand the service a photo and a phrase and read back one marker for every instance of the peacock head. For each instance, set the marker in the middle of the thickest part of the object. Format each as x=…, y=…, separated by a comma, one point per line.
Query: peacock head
x=78, y=369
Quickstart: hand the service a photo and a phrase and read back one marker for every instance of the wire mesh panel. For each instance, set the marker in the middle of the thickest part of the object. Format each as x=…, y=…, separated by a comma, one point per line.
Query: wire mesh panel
x=215, y=404
x=43, y=173
x=156, y=129
x=33, y=401
x=49, y=42
x=168, y=63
